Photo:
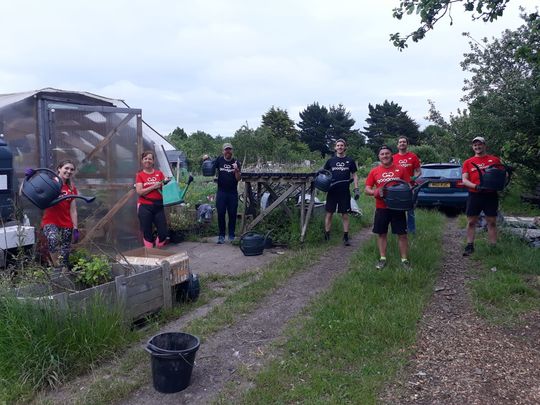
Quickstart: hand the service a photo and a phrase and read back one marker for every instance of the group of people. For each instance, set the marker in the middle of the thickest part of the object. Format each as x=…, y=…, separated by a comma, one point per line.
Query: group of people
x=60, y=222
x=406, y=166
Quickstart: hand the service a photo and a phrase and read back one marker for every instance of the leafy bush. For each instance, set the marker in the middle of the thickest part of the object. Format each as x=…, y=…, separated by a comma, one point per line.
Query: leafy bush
x=93, y=271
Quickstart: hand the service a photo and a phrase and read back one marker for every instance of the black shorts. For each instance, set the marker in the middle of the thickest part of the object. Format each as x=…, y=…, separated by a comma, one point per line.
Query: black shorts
x=340, y=199
x=478, y=202
x=386, y=216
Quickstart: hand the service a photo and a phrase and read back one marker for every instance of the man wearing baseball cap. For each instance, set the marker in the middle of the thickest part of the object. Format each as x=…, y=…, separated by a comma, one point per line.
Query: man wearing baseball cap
x=479, y=199
x=228, y=176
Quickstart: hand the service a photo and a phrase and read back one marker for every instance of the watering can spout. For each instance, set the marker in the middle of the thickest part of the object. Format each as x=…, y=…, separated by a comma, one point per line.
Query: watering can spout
x=68, y=197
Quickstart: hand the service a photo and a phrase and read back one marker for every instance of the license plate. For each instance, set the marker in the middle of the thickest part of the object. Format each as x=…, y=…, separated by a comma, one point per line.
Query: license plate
x=439, y=185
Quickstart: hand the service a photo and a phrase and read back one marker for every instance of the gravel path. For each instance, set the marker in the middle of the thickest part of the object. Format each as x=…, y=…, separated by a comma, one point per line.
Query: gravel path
x=459, y=358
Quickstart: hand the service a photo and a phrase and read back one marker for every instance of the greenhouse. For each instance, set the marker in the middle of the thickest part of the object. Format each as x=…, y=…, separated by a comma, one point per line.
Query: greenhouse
x=103, y=136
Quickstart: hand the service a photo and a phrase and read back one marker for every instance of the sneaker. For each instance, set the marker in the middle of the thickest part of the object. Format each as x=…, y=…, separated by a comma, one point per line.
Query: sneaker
x=469, y=249
x=231, y=238
x=346, y=242
x=406, y=265
x=380, y=264
x=221, y=240
x=326, y=236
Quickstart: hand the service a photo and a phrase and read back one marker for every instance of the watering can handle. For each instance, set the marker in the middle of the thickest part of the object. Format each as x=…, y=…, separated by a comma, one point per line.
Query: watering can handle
x=242, y=238
x=42, y=169
x=480, y=174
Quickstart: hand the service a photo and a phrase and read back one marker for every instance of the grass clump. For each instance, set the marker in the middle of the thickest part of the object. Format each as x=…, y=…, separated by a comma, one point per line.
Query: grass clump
x=508, y=286
x=41, y=345
x=358, y=334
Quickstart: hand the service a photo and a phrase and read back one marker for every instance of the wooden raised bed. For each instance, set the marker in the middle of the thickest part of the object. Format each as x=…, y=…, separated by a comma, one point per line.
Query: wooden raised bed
x=138, y=289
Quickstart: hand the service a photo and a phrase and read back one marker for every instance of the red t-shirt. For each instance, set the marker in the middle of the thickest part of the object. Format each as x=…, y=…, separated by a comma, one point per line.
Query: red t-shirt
x=409, y=161
x=482, y=162
x=59, y=214
x=380, y=175
x=149, y=180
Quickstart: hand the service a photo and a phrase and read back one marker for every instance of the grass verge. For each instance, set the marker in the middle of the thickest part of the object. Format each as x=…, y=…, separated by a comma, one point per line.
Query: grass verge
x=358, y=334
x=509, y=283
x=42, y=345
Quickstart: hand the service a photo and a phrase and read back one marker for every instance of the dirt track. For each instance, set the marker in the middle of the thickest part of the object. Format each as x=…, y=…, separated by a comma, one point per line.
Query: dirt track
x=459, y=358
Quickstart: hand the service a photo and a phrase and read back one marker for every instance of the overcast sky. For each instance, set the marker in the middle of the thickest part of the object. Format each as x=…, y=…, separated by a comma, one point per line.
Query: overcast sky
x=214, y=65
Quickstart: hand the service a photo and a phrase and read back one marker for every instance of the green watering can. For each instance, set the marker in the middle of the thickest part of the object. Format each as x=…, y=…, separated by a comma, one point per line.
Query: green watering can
x=173, y=194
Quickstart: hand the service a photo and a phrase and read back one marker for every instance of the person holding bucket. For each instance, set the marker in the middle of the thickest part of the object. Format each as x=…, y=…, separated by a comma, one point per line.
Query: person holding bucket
x=479, y=199
x=339, y=198
x=387, y=172
x=229, y=172
x=150, y=211
x=411, y=164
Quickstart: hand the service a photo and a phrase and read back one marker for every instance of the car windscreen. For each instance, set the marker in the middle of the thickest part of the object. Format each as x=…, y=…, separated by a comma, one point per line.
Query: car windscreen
x=446, y=172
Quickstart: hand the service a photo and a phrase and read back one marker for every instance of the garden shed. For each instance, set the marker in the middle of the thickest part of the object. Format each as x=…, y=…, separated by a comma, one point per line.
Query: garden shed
x=103, y=136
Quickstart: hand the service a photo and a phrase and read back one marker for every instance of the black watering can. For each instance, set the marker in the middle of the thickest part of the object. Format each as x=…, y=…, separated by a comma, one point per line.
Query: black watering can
x=208, y=167
x=398, y=195
x=494, y=177
x=323, y=180
x=253, y=243
x=44, y=187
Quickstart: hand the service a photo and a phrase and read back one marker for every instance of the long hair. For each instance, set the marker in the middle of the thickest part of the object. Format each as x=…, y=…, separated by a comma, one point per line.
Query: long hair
x=62, y=164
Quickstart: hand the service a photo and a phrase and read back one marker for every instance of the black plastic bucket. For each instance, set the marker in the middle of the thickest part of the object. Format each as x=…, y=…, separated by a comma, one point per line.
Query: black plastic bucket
x=173, y=357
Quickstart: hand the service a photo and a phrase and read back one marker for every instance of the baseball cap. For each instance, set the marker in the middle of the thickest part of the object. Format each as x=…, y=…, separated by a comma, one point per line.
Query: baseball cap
x=385, y=147
x=479, y=139
x=227, y=145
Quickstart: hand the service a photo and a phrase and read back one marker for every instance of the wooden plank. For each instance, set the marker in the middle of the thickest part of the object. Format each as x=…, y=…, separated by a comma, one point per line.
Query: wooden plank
x=138, y=310
x=145, y=296
x=302, y=205
x=121, y=291
x=104, y=289
x=105, y=140
x=272, y=206
x=144, y=284
x=166, y=283
x=274, y=194
x=107, y=217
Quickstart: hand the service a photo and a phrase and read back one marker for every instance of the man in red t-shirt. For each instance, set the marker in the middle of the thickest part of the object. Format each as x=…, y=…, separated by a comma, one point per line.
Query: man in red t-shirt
x=411, y=164
x=387, y=172
x=479, y=199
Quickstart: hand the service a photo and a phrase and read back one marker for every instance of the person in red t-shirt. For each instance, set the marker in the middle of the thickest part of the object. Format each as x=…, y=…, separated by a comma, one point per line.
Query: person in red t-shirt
x=59, y=222
x=479, y=199
x=387, y=172
x=150, y=211
x=411, y=164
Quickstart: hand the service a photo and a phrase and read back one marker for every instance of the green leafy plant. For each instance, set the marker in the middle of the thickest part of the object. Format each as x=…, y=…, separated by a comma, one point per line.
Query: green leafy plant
x=182, y=220
x=93, y=271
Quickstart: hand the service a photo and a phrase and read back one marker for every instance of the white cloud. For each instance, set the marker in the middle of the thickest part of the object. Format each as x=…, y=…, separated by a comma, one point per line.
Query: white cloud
x=214, y=65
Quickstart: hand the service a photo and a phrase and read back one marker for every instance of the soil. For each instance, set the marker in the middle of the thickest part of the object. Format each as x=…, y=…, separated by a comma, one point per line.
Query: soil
x=461, y=359
x=458, y=357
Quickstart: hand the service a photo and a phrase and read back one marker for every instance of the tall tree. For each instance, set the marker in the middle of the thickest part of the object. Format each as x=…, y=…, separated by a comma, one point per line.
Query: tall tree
x=279, y=123
x=431, y=11
x=386, y=123
x=504, y=94
x=315, y=128
x=177, y=137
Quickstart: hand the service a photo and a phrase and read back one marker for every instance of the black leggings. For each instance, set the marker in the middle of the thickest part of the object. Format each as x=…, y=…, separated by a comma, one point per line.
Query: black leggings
x=150, y=214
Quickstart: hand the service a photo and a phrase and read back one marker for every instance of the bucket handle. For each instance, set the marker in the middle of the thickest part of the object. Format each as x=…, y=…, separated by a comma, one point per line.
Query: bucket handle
x=167, y=355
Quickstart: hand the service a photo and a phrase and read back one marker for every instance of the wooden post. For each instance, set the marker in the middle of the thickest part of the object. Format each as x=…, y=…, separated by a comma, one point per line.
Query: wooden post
x=62, y=300
x=166, y=277
x=308, y=214
x=121, y=291
x=302, y=205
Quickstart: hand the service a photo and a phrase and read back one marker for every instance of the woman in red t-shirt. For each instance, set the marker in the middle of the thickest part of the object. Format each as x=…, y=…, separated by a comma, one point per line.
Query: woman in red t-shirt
x=60, y=221
x=150, y=203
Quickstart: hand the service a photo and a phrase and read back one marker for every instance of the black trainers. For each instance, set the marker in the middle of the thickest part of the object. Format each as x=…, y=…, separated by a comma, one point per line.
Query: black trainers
x=326, y=236
x=469, y=249
x=406, y=265
x=346, y=242
x=380, y=264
